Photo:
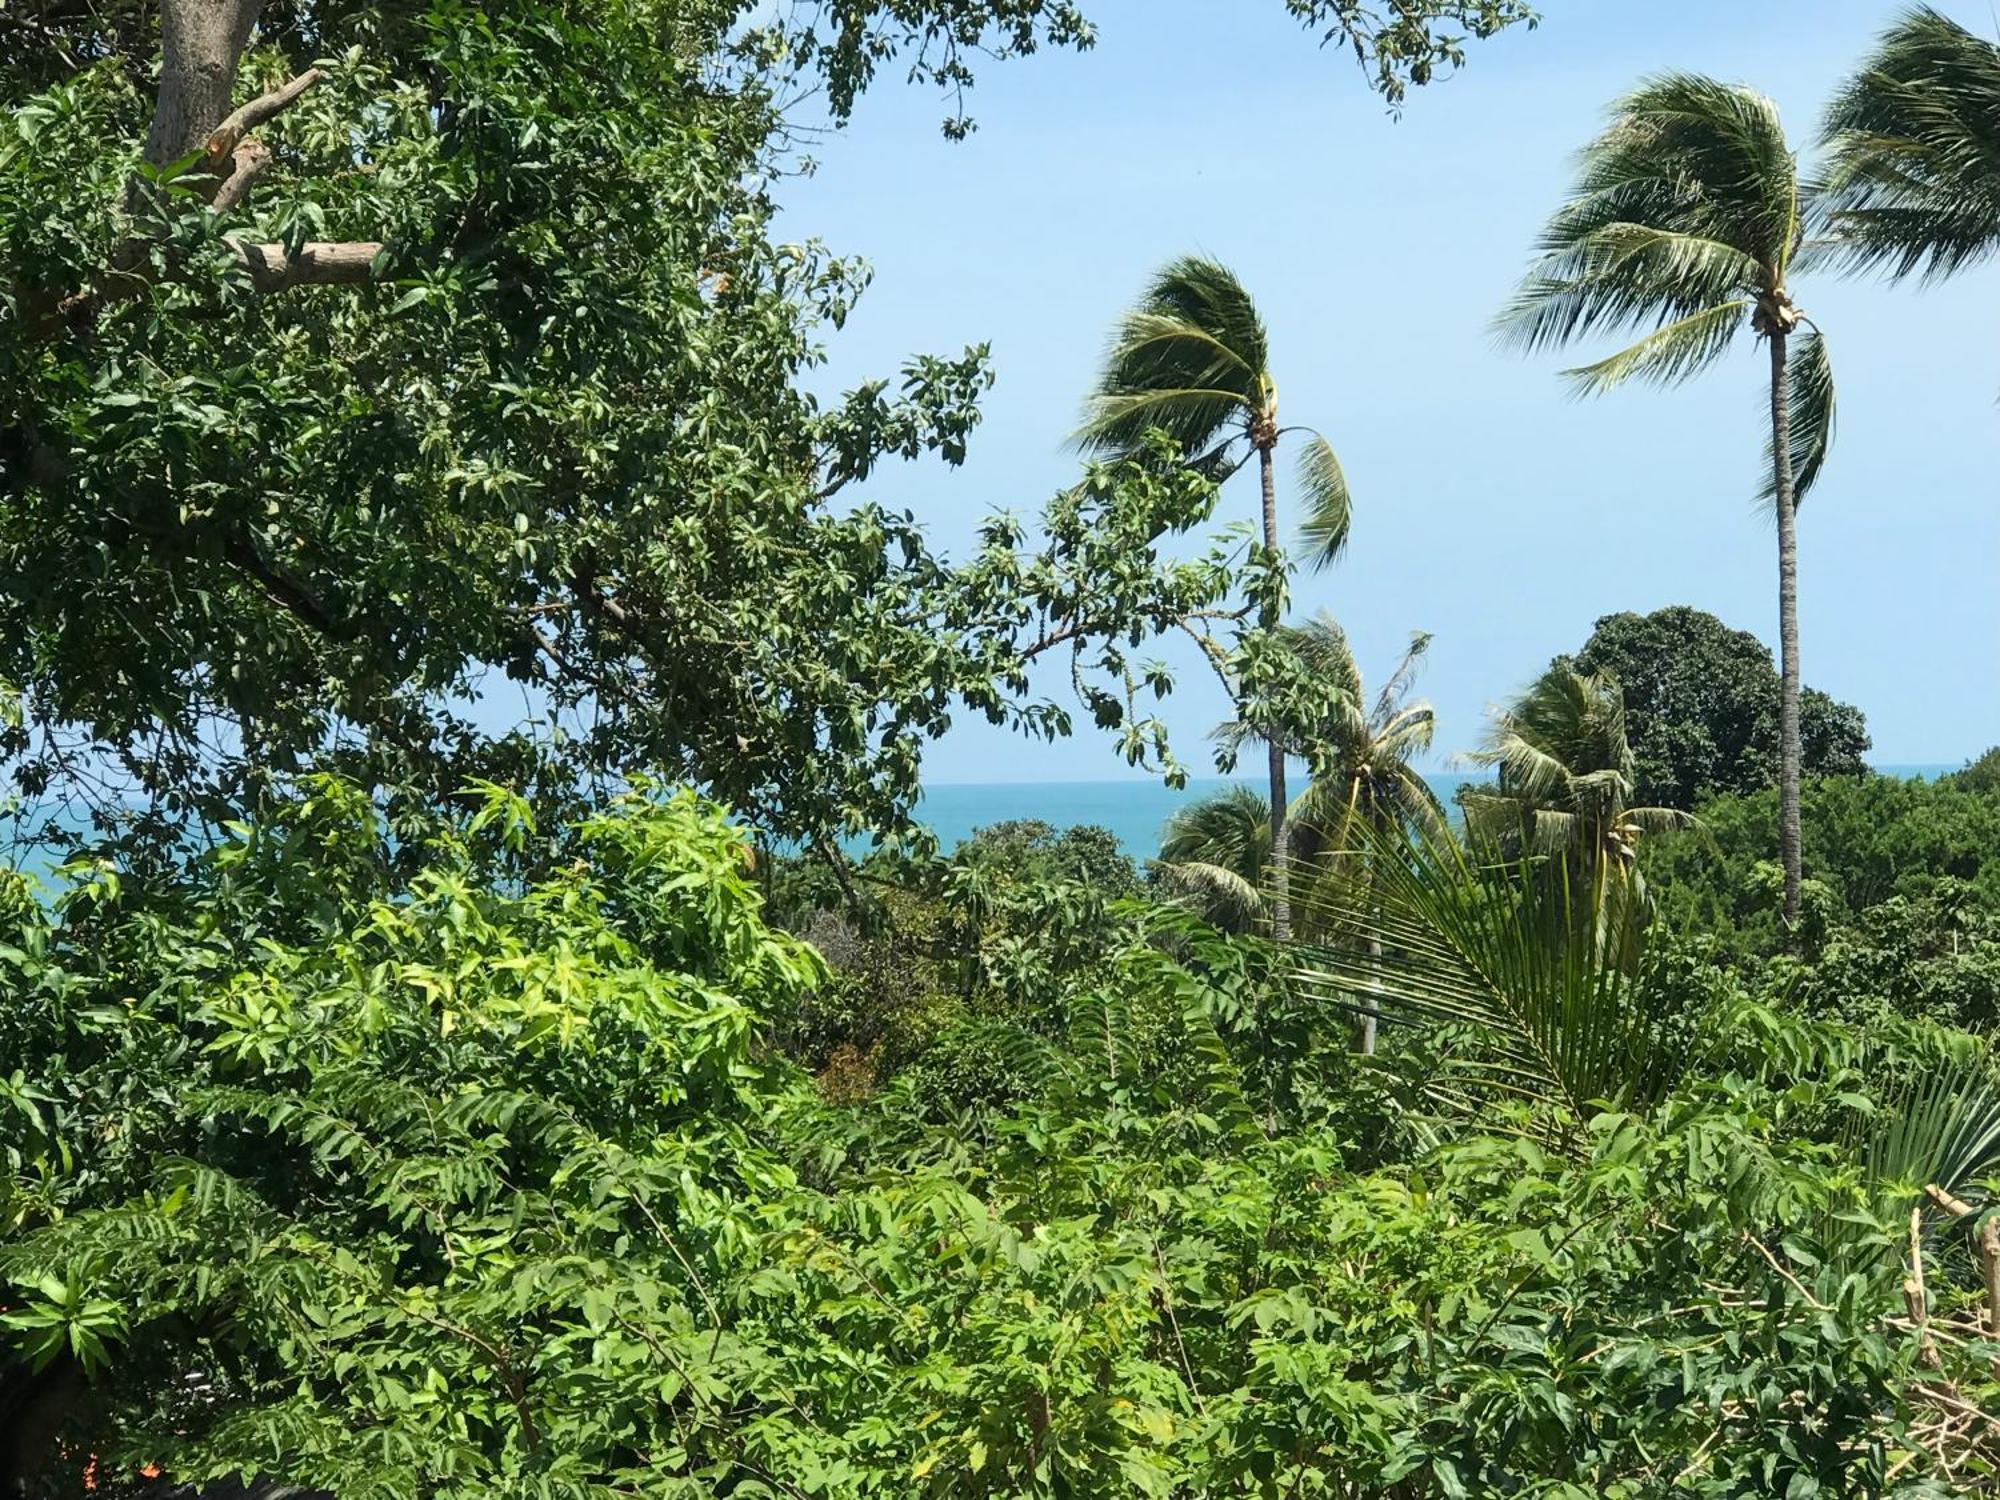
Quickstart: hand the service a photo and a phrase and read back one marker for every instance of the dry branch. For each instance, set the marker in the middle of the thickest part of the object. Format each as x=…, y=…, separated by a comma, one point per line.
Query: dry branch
x=226, y=137
x=318, y=263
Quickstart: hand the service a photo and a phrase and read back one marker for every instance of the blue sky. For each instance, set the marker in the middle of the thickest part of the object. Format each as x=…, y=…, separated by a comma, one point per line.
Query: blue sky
x=1491, y=508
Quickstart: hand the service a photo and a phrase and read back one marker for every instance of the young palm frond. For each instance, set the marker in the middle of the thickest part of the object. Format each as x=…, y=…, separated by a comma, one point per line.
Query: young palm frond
x=1913, y=182
x=1485, y=953
x=1942, y=1127
x=1937, y=1127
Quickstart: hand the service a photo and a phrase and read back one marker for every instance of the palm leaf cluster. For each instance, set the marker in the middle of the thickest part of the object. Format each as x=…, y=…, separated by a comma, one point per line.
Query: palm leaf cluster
x=1912, y=184
x=1566, y=778
x=1685, y=222
x=1215, y=855
x=1193, y=360
x=1482, y=953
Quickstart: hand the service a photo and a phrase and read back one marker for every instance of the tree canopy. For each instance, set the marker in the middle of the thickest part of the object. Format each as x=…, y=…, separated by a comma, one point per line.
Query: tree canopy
x=1701, y=707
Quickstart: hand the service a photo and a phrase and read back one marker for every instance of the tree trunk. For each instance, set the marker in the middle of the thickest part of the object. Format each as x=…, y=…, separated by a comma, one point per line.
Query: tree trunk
x=201, y=44
x=1788, y=628
x=1281, y=833
x=1371, y=1008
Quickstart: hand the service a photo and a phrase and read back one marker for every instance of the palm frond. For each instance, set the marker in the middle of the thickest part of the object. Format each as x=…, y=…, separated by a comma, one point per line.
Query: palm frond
x=1668, y=355
x=1325, y=501
x=1221, y=896
x=1231, y=829
x=1912, y=185
x=1433, y=941
x=1190, y=359
x=1403, y=677
x=1809, y=383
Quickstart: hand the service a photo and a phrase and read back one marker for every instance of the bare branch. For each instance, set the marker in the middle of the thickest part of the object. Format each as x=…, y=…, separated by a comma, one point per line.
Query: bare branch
x=248, y=164
x=227, y=136
x=318, y=263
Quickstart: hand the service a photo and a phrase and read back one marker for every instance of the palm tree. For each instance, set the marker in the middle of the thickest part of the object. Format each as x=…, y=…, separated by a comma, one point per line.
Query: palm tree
x=1684, y=226
x=1214, y=854
x=1913, y=181
x=1361, y=757
x=1192, y=359
x=1566, y=779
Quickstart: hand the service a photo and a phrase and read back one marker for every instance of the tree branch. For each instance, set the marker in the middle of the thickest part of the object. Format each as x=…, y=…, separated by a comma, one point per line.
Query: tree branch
x=248, y=163
x=318, y=263
x=226, y=137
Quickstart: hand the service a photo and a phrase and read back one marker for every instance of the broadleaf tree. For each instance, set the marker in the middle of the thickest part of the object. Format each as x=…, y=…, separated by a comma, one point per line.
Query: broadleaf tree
x=418, y=389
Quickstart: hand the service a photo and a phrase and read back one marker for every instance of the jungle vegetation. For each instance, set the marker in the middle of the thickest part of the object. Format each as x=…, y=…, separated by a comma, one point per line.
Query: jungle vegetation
x=391, y=1109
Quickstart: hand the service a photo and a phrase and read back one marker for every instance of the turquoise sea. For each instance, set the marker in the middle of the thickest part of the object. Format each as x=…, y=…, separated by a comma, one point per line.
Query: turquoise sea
x=1133, y=810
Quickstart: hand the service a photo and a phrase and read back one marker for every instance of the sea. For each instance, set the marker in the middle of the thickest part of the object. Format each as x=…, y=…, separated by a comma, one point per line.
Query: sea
x=1135, y=811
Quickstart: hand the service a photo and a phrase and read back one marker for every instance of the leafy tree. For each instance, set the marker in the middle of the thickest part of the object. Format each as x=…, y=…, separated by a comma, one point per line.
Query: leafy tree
x=1686, y=219
x=362, y=360
x=1565, y=790
x=1193, y=360
x=1701, y=707
x=1981, y=775
x=1912, y=184
x=925, y=955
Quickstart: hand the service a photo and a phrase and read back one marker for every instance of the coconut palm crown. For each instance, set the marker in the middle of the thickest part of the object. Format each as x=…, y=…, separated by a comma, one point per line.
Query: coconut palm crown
x=1193, y=359
x=1363, y=757
x=1566, y=775
x=1684, y=227
x=1912, y=185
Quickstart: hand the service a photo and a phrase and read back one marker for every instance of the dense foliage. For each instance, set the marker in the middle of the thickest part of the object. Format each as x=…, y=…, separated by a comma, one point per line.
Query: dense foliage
x=404, y=1110
x=466, y=1182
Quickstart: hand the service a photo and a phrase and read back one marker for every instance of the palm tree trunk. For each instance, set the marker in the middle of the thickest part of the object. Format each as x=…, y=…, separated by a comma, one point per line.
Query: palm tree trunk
x=1281, y=833
x=1788, y=628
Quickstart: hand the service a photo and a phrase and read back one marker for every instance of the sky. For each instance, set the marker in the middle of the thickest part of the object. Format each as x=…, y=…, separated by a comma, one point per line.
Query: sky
x=1491, y=507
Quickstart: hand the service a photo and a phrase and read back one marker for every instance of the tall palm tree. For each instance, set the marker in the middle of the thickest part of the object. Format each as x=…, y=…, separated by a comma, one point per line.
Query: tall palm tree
x=1912, y=184
x=1684, y=226
x=1193, y=360
x=1567, y=774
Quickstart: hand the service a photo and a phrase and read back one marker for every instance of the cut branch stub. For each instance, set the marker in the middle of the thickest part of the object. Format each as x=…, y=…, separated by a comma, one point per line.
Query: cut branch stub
x=317, y=263
x=227, y=136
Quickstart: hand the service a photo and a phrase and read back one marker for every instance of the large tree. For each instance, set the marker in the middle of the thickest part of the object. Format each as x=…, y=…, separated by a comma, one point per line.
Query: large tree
x=373, y=375
x=1913, y=178
x=1193, y=360
x=1701, y=707
x=1684, y=224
